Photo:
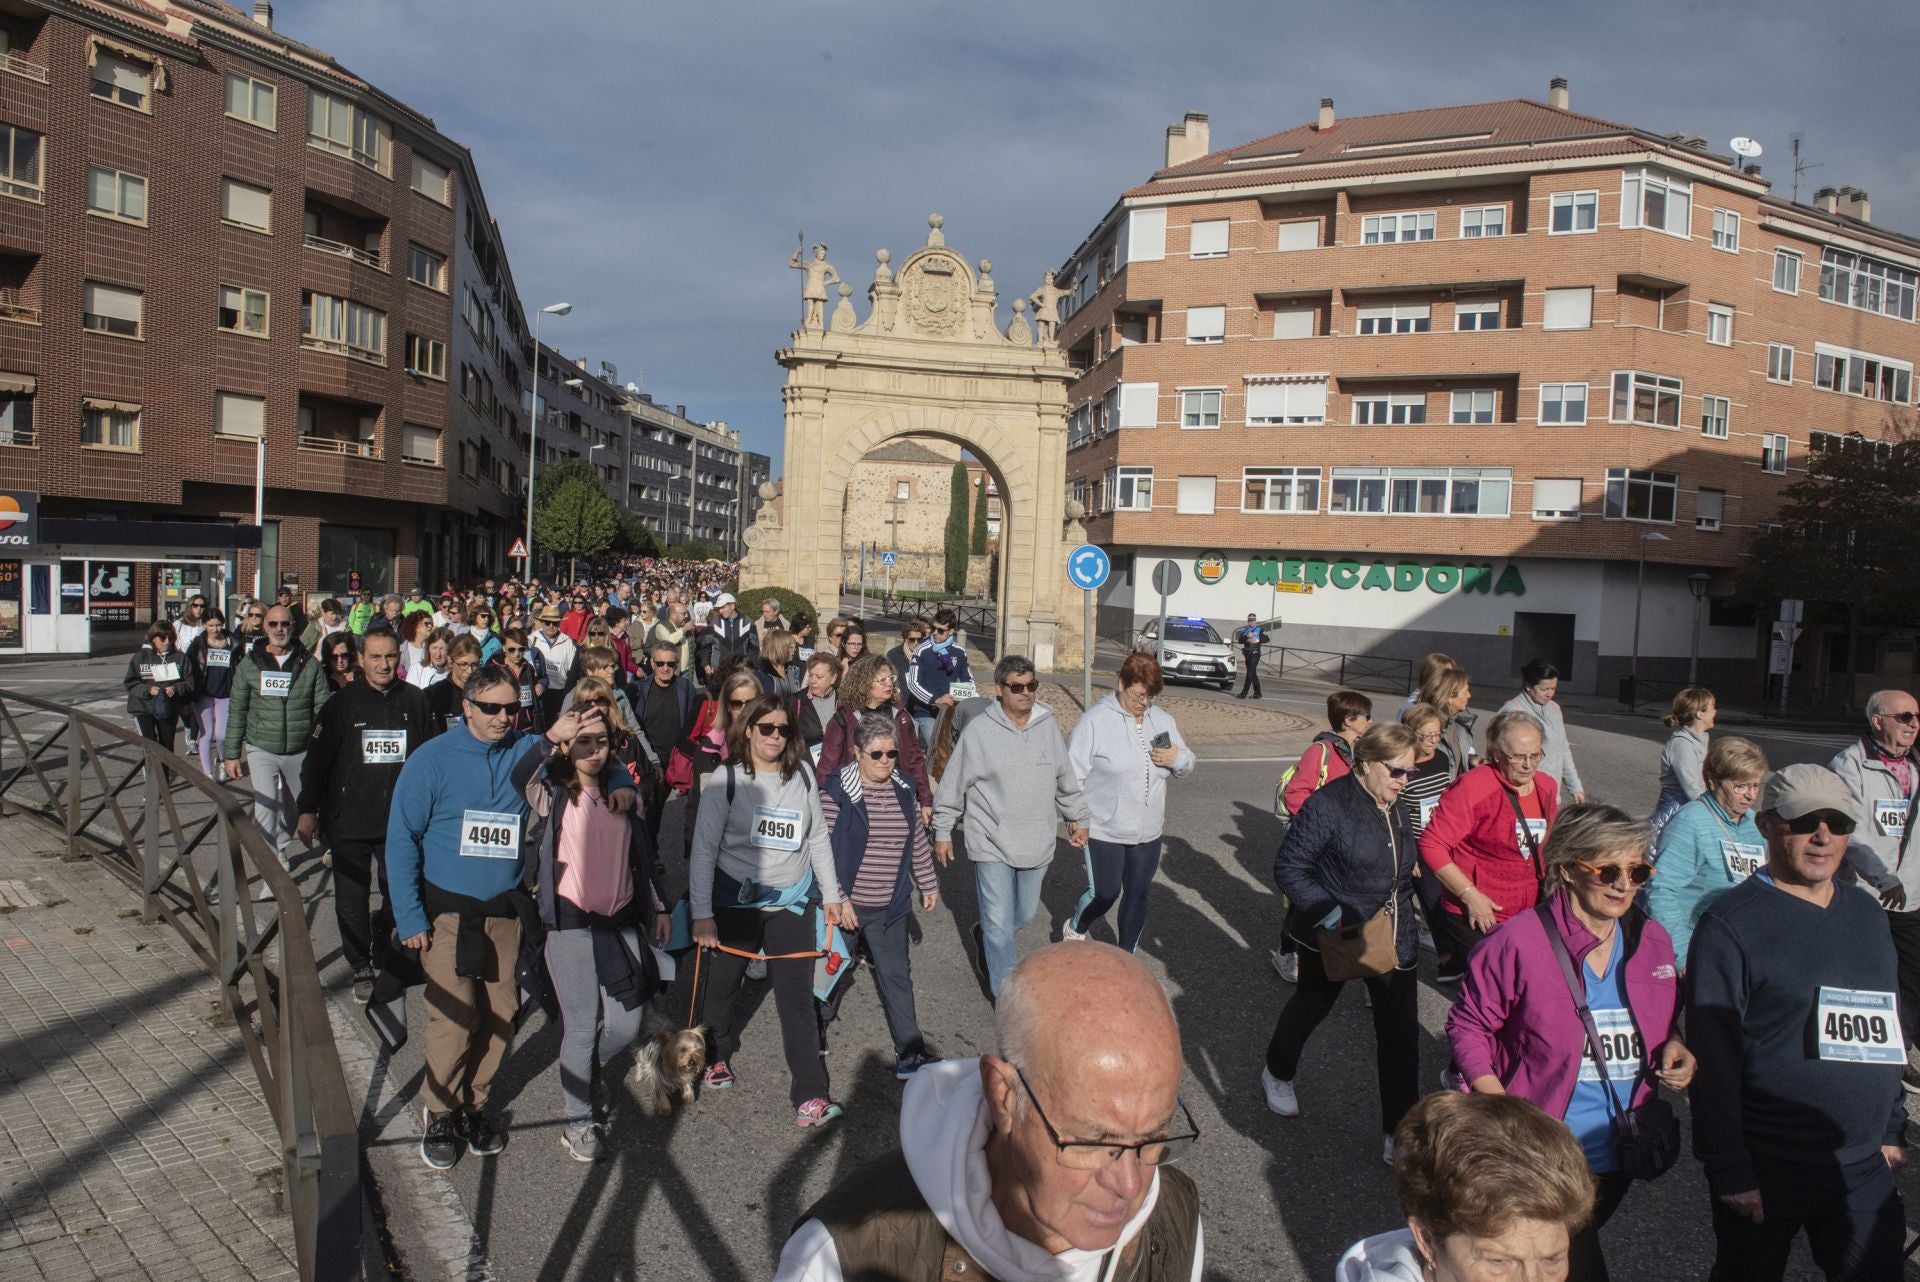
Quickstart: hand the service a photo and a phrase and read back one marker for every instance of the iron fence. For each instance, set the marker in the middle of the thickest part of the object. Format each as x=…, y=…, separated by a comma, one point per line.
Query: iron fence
x=152, y=819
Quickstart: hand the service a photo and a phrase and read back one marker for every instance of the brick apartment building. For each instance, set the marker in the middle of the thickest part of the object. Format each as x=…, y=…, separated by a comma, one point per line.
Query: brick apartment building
x=1438, y=379
x=211, y=234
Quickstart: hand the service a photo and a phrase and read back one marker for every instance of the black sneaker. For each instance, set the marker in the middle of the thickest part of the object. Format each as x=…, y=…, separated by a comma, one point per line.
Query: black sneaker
x=480, y=1134
x=980, y=952
x=440, y=1146
x=1450, y=973
x=907, y=1065
x=363, y=985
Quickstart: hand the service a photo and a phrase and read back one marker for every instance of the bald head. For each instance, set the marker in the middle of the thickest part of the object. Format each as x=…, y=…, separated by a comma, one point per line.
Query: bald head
x=1081, y=1007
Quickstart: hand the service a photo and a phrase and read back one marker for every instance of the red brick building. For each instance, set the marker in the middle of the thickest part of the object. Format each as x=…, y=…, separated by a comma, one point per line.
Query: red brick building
x=1438, y=379
x=211, y=234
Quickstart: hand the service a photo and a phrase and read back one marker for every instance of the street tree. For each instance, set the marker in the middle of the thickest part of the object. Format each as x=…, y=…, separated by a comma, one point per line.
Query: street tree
x=576, y=520
x=979, y=547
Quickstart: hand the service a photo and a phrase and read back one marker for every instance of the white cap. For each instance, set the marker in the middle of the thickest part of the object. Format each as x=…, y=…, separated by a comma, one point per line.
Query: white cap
x=725, y=598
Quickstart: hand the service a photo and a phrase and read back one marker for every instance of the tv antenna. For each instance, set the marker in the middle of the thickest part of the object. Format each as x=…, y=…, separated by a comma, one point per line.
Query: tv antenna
x=1799, y=167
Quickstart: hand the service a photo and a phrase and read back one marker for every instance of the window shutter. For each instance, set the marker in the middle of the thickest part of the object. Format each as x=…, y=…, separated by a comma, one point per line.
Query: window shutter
x=1139, y=404
x=1196, y=495
x=1206, y=322
x=236, y=415
x=119, y=304
x=1306, y=399
x=1568, y=309
x=1300, y=235
x=422, y=444
x=1146, y=238
x=1708, y=507
x=1556, y=495
x=242, y=203
x=1266, y=400
x=1294, y=322
x=1209, y=237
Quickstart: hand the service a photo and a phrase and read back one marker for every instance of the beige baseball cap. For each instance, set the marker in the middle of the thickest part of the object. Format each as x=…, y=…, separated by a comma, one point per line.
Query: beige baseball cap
x=1802, y=789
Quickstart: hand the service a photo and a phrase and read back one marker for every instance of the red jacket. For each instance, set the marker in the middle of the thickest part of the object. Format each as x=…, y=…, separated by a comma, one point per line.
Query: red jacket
x=1473, y=827
x=1306, y=776
x=574, y=624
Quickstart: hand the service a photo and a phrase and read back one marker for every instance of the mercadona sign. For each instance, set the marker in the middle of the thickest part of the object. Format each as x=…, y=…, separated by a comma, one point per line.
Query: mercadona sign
x=1439, y=577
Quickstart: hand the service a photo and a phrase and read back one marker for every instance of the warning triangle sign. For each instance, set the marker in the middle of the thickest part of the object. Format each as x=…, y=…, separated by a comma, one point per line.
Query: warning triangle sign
x=518, y=551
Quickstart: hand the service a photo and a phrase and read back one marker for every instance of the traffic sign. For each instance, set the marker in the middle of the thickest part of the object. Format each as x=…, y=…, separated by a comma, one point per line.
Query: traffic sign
x=1166, y=578
x=1779, y=658
x=518, y=551
x=1088, y=567
x=889, y=559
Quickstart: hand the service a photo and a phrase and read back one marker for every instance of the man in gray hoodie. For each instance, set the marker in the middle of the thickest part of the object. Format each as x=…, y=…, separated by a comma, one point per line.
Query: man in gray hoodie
x=1007, y=776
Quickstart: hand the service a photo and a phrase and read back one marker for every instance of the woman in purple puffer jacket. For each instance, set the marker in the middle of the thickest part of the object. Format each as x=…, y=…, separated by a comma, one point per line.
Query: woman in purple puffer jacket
x=1516, y=1029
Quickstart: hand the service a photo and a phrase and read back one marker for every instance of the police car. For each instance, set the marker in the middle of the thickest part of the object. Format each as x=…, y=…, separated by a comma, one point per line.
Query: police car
x=1192, y=651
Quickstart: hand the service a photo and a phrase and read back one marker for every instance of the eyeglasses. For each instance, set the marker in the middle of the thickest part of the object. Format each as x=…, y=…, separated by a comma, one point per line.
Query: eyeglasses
x=514, y=649
x=737, y=704
x=1806, y=825
x=876, y=755
x=1402, y=773
x=1022, y=687
x=771, y=728
x=1094, y=1155
x=1904, y=718
x=465, y=665
x=942, y=632
x=1616, y=874
x=278, y=623
x=1428, y=736
x=487, y=709
x=1525, y=758
x=913, y=638
x=602, y=704
x=669, y=664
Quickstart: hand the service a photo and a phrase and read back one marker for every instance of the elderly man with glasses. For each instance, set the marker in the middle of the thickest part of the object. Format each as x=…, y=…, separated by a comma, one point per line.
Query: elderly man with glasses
x=1882, y=771
x=1052, y=1159
x=278, y=690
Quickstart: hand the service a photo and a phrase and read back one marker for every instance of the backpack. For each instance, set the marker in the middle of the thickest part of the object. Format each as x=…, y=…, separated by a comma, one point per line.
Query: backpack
x=680, y=769
x=1280, y=810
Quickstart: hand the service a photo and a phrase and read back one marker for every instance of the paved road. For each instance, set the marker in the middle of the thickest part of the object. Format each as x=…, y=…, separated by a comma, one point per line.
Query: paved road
x=712, y=1192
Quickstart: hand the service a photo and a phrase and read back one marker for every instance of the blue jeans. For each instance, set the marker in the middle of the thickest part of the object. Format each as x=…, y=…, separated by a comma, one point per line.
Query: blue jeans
x=926, y=727
x=1008, y=897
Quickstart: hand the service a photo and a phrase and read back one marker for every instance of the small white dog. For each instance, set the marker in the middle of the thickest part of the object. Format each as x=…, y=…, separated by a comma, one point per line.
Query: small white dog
x=667, y=1063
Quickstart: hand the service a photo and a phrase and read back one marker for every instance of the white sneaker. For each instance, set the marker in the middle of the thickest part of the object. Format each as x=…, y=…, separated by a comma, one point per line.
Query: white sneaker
x=1280, y=1096
x=1287, y=965
x=1068, y=932
x=757, y=968
x=1386, y=1151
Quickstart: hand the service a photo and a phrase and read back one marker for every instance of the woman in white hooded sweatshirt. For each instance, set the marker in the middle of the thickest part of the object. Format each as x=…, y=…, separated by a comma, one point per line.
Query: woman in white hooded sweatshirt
x=1123, y=752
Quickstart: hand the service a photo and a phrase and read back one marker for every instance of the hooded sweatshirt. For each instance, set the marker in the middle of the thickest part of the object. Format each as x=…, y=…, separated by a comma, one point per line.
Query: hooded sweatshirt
x=944, y=1123
x=1384, y=1257
x=1126, y=793
x=1010, y=781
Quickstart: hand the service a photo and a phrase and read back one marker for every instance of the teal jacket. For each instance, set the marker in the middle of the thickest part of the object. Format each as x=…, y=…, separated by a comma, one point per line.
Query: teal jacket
x=268, y=721
x=1692, y=868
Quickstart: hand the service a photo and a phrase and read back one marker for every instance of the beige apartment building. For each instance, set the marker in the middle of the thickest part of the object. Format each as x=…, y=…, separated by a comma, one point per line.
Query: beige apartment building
x=1439, y=379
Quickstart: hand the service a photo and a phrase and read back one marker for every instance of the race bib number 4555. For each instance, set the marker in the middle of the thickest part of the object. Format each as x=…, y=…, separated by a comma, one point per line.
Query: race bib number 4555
x=1857, y=1026
x=489, y=834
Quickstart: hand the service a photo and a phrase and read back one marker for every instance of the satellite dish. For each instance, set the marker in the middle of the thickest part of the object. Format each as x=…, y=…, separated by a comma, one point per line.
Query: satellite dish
x=633, y=389
x=1746, y=147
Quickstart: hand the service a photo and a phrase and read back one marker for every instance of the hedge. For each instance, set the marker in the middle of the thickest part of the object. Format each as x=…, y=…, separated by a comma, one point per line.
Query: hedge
x=791, y=602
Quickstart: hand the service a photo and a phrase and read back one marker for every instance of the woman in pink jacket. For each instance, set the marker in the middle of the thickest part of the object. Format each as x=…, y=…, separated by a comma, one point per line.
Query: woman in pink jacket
x=1517, y=1030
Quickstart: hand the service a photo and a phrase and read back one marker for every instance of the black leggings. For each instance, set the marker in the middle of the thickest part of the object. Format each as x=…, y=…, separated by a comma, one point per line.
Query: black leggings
x=1396, y=1031
x=159, y=729
x=1585, y=1263
x=773, y=933
x=1115, y=870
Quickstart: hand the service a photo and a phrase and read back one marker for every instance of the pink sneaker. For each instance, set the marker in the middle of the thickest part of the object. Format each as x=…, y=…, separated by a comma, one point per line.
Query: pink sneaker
x=718, y=1076
x=817, y=1112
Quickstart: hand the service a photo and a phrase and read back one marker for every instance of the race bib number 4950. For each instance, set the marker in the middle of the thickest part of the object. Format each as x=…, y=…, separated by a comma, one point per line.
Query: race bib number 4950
x=1857, y=1026
x=775, y=829
x=489, y=834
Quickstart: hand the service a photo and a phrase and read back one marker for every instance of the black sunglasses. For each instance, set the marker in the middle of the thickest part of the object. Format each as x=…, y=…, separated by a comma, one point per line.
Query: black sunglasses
x=665, y=663
x=889, y=755
x=1904, y=718
x=1021, y=687
x=772, y=728
x=1402, y=773
x=489, y=709
x=1806, y=825
x=738, y=703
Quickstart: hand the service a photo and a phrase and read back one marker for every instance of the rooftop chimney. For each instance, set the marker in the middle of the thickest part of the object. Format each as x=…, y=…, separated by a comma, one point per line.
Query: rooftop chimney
x=680, y=411
x=263, y=14
x=1854, y=204
x=1326, y=115
x=1827, y=200
x=1188, y=139
x=1557, y=93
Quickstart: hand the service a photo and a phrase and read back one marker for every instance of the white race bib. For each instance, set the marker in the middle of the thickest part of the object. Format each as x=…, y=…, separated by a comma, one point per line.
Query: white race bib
x=961, y=690
x=490, y=834
x=276, y=685
x=1744, y=858
x=526, y=696
x=219, y=658
x=1890, y=817
x=1620, y=1046
x=815, y=750
x=383, y=747
x=165, y=673
x=775, y=829
x=1538, y=827
x=1858, y=1027
x=1427, y=806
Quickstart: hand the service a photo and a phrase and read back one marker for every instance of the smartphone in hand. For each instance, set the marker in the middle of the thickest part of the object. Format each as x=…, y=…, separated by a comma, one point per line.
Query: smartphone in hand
x=1163, y=740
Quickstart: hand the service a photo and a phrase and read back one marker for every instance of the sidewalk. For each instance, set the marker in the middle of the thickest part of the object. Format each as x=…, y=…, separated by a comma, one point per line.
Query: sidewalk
x=134, y=1142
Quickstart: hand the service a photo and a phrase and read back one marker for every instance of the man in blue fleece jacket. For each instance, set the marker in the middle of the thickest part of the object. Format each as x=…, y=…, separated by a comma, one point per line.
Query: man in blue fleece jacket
x=456, y=866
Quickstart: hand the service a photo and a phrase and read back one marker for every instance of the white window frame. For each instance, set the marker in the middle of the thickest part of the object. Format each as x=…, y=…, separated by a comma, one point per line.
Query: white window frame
x=1224, y=234
x=255, y=407
x=1132, y=405
x=1720, y=321
x=1575, y=203
x=1193, y=410
x=241, y=312
x=343, y=326
x=1780, y=359
x=1557, y=394
x=1655, y=482
x=1133, y=489
x=109, y=419
x=1637, y=185
x=13, y=183
x=1702, y=521
x=436, y=260
x=1288, y=386
x=1774, y=448
x=123, y=184
x=1660, y=385
x=1786, y=266
x=352, y=132
x=1867, y=284
x=1554, y=305
x=1716, y=412
x=232, y=186
x=139, y=307
x=1726, y=230
x=1478, y=308
x=1490, y=216
x=1384, y=409
x=1290, y=484
x=1453, y=484
x=253, y=89
x=1196, y=315
x=1473, y=411
x=1559, y=512
x=1391, y=229
x=445, y=195
x=1189, y=494
x=1834, y=370
x=1399, y=318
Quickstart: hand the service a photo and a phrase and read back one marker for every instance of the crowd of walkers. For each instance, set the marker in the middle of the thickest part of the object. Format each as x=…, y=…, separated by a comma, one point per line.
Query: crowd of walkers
x=499, y=764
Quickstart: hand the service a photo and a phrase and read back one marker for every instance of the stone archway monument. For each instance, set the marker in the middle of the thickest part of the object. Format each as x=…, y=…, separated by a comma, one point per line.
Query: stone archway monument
x=929, y=359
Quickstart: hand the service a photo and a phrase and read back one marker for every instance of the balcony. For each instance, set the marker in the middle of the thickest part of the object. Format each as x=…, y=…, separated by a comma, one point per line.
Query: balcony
x=19, y=313
x=347, y=429
x=369, y=257
x=346, y=448
x=352, y=233
x=19, y=66
x=371, y=355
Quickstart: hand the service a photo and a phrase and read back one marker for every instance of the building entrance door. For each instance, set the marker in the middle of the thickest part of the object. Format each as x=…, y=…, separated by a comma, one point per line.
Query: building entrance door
x=1543, y=636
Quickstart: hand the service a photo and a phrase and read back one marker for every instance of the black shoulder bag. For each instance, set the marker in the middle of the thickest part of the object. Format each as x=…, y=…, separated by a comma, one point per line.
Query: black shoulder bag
x=1646, y=1139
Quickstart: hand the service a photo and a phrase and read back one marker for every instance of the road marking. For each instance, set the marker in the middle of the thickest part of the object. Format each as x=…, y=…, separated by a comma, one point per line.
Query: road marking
x=1245, y=761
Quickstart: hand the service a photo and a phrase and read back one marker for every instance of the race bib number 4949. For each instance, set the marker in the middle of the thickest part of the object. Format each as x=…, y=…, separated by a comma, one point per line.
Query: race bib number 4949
x=489, y=834
x=1857, y=1026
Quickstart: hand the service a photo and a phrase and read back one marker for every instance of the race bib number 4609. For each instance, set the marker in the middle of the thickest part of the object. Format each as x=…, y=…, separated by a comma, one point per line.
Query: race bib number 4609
x=775, y=829
x=1859, y=1027
x=489, y=834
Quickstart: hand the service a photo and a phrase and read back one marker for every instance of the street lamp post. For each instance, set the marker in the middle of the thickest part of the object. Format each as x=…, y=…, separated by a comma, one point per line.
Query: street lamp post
x=533, y=428
x=1697, y=583
x=1639, y=589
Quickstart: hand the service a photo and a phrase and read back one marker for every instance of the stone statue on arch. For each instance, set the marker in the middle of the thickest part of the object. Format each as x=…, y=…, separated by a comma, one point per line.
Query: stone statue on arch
x=813, y=285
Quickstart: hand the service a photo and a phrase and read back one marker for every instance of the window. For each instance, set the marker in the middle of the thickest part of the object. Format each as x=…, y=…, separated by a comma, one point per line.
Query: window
x=1295, y=322
x=1295, y=236
x=1422, y=491
x=1571, y=212
x=1477, y=314
x=246, y=205
x=339, y=325
x=117, y=195
x=243, y=311
x=20, y=173
x=1719, y=325
x=1385, y=229
x=1281, y=489
x=1862, y=374
x=1208, y=239
x=1206, y=324
x=430, y=179
x=237, y=415
x=1133, y=489
x=426, y=356
x=1714, y=411
x=1195, y=496
x=1563, y=403
x=1080, y=426
x=1786, y=271
x=1283, y=401
x=1489, y=220
x=1773, y=453
x=1652, y=399
x=1635, y=494
x=1854, y=280
x=334, y=124
x=1474, y=405
x=121, y=80
x=1779, y=363
x=109, y=309
x=250, y=100
x=424, y=267
x=420, y=444
x=1726, y=230
x=1568, y=309
x=1200, y=407
x=109, y=425
x=1656, y=200
x=1138, y=405
x=1708, y=507
x=1401, y=318
x=1400, y=407
x=1822, y=444
x=1556, y=499
x=16, y=418
x=1358, y=489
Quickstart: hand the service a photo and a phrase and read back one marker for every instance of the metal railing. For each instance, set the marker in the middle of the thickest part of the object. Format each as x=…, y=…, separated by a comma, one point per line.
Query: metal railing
x=341, y=445
x=152, y=819
x=341, y=249
x=1349, y=671
x=976, y=618
x=21, y=67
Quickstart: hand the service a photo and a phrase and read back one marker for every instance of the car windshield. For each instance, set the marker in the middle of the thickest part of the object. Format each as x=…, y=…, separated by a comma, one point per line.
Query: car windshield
x=1192, y=630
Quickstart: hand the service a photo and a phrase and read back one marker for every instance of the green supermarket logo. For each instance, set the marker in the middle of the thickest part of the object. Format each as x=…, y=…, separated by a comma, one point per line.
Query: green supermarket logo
x=1210, y=567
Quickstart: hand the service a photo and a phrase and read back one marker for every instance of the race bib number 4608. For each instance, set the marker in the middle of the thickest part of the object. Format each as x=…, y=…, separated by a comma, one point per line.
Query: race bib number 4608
x=1620, y=1046
x=489, y=834
x=1857, y=1026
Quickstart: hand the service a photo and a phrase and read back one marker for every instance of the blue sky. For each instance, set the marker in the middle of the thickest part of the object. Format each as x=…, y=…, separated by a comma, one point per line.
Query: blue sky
x=652, y=162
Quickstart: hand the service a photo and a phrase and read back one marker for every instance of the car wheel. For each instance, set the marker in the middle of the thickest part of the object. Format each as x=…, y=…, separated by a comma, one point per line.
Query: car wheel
x=1224, y=685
